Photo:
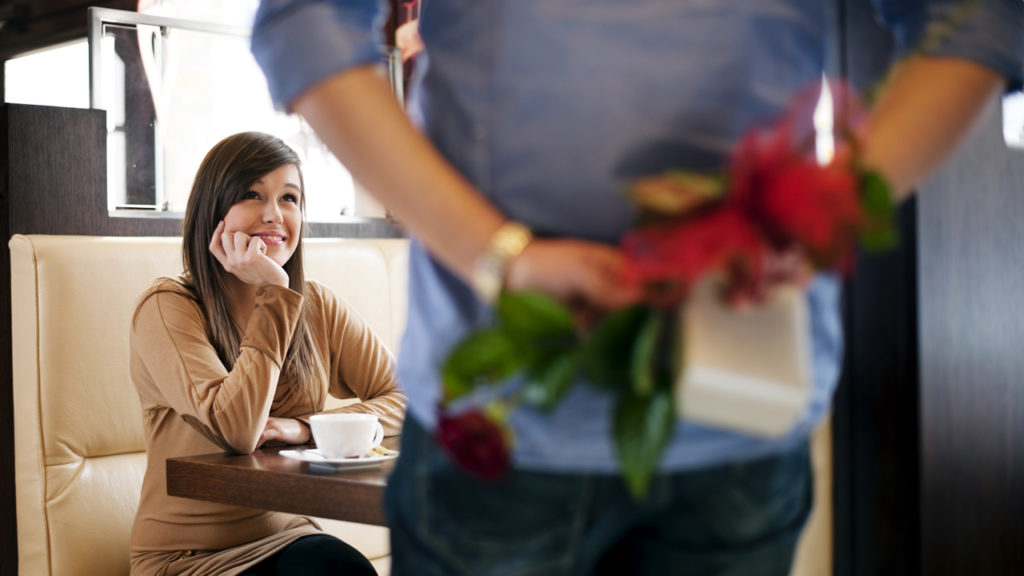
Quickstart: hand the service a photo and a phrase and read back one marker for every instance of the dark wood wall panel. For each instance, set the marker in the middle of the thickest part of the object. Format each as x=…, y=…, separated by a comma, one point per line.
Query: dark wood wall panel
x=68, y=143
x=972, y=359
x=53, y=165
x=34, y=24
x=875, y=446
x=876, y=412
x=8, y=518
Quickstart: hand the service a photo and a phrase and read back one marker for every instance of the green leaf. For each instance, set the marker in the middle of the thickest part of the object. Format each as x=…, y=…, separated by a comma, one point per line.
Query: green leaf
x=710, y=186
x=876, y=195
x=876, y=200
x=482, y=358
x=606, y=357
x=878, y=239
x=677, y=347
x=642, y=368
x=528, y=316
x=549, y=382
x=642, y=428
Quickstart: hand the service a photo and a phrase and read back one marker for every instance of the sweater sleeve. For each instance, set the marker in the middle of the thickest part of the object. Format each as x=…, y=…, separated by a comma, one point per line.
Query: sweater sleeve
x=169, y=336
x=361, y=366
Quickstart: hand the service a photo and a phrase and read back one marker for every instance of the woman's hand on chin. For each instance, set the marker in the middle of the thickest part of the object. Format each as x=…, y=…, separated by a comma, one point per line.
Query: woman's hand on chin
x=245, y=257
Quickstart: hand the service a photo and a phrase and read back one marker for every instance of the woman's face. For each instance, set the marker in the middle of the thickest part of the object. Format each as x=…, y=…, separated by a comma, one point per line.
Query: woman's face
x=270, y=210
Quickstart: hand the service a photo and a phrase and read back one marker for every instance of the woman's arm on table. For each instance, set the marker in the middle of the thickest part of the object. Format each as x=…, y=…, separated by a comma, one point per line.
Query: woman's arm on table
x=228, y=407
x=361, y=366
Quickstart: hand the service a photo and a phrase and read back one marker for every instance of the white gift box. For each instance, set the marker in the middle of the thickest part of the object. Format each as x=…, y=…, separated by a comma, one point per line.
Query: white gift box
x=746, y=370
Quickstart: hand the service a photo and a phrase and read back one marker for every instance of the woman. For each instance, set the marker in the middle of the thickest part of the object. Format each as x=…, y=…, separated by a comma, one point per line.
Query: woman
x=237, y=352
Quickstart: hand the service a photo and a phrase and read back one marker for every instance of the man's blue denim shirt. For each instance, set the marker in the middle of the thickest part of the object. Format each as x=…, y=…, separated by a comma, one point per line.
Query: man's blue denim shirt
x=550, y=106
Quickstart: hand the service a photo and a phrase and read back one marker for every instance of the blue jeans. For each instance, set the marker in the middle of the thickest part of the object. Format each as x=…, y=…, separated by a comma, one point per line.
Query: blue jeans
x=735, y=519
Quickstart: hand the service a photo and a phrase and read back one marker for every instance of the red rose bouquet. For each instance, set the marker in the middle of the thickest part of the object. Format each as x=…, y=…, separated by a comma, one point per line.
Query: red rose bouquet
x=775, y=196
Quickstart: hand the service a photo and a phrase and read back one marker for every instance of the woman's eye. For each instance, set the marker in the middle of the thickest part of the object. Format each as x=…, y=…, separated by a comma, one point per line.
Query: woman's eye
x=250, y=195
x=290, y=198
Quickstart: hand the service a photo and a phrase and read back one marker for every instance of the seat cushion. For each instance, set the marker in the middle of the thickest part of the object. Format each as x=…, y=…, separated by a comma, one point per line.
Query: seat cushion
x=79, y=443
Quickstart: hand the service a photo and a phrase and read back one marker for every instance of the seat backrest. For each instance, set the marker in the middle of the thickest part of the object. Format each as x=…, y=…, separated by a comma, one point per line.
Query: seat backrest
x=79, y=445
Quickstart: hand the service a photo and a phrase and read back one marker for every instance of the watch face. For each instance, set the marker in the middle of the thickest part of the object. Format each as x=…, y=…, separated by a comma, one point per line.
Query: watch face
x=489, y=271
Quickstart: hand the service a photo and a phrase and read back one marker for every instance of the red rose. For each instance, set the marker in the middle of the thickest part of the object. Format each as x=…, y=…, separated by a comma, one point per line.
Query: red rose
x=476, y=443
x=757, y=156
x=676, y=256
x=813, y=206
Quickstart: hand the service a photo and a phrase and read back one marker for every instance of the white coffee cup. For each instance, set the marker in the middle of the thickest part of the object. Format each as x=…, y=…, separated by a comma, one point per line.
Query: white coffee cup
x=346, y=435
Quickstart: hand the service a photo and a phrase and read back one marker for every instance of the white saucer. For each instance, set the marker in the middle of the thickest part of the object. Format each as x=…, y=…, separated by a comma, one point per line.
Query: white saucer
x=313, y=456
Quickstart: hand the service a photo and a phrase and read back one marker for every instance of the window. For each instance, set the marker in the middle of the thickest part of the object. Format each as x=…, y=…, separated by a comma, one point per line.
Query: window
x=1013, y=119
x=172, y=88
x=55, y=76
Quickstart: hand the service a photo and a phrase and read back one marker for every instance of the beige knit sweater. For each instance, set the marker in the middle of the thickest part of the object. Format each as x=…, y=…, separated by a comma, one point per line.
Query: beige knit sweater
x=192, y=404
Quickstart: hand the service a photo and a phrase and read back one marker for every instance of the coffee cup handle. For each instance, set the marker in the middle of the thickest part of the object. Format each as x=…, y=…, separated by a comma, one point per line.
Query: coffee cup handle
x=378, y=435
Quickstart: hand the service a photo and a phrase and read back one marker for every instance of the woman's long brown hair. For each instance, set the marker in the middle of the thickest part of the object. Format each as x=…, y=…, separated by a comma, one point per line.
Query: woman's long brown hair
x=225, y=175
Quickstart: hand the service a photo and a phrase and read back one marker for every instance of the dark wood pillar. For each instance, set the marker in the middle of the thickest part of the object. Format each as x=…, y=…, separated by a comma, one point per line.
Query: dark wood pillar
x=49, y=157
x=8, y=516
x=930, y=412
x=875, y=432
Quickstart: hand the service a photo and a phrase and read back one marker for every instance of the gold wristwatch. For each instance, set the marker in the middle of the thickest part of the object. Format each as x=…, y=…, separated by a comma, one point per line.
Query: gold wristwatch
x=490, y=268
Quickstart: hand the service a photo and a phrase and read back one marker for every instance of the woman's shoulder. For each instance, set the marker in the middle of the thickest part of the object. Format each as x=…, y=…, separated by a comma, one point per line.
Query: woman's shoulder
x=172, y=288
x=165, y=284
x=320, y=293
x=324, y=301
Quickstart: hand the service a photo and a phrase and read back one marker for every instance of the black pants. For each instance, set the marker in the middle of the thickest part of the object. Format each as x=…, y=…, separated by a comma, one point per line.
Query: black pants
x=315, y=555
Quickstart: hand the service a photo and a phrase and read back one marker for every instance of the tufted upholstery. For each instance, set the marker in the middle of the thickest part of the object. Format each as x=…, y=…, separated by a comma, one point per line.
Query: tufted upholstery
x=78, y=440
x=79, y=445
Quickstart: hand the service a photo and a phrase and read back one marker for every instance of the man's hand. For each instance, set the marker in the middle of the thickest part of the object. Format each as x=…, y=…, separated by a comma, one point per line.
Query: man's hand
x=586, y=276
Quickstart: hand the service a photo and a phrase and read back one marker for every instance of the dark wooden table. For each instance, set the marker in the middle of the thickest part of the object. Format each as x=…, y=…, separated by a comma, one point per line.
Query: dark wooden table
x=267, y=480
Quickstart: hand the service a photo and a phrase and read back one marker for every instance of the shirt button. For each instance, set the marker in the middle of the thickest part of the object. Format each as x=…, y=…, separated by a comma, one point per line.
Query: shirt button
x=479, y=131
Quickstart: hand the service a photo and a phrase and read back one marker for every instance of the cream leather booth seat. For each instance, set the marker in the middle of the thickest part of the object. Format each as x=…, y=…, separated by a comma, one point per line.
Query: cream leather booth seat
x=79, y=445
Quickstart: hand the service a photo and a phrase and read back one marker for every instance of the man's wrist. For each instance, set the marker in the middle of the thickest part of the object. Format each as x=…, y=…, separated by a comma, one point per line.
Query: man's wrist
x=490, y=268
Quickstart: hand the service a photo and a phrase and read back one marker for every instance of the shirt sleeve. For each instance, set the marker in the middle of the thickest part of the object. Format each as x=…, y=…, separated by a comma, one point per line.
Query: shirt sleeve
x=299, y=43
x=361, y=366
x=228, y=407
x=988, y=32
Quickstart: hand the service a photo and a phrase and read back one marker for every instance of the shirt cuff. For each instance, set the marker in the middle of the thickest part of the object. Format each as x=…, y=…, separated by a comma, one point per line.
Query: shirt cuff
x=990, y=33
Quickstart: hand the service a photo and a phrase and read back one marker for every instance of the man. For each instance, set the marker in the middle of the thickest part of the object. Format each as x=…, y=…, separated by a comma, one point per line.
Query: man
x=533, y=115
